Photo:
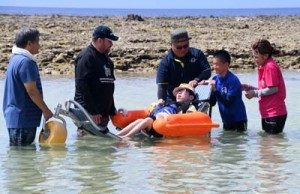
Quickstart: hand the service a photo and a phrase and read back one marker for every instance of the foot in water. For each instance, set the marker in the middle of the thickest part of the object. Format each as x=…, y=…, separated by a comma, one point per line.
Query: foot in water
x=81, y=133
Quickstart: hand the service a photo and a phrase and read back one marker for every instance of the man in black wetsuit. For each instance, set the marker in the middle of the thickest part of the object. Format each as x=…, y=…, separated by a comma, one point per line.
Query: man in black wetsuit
x=94, y=77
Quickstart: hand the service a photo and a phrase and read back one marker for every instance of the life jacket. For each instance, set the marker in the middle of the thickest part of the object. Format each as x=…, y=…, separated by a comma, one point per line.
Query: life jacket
x=183, y=106
x=169, y=109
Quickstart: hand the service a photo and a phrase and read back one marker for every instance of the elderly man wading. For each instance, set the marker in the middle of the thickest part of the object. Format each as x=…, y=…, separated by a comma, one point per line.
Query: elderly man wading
x=23, y=103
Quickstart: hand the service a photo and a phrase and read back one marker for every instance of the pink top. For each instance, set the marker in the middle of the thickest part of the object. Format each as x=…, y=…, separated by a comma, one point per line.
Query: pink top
x=269, y=74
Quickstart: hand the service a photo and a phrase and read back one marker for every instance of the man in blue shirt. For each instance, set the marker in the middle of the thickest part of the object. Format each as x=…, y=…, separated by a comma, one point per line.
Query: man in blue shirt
x=227, y=91
x=23, y=103
x=182, y=64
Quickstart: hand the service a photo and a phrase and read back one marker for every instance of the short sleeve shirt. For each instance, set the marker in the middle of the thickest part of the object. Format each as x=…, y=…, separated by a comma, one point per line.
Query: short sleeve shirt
x=18, y=108
x=269, y=75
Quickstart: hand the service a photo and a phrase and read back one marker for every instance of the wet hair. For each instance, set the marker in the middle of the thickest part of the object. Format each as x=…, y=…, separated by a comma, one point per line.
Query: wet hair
x=24, y=35
x=223, y=55
x=263, y=46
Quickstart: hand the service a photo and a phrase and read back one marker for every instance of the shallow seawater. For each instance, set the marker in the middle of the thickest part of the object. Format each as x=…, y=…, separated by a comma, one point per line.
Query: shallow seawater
x=226, y=162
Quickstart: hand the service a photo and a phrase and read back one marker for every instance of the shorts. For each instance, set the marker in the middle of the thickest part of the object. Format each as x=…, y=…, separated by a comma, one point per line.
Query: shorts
x=274, y=125
x=21, y=136
x=237, y=126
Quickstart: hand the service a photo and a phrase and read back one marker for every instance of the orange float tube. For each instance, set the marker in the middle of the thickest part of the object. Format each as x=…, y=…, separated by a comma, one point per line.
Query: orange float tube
x=189, y=124
x=121, y=121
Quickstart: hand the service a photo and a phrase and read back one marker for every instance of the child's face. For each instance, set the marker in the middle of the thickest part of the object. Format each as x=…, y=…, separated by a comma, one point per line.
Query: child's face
x=184, y=95
x=220, y=67
x=259, y=59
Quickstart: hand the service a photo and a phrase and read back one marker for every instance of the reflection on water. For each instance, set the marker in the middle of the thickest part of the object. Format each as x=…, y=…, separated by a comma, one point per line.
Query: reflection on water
x=272, y=174
x=250, y=162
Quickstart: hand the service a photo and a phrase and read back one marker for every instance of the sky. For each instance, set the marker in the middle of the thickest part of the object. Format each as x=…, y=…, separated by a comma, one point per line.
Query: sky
x=155, y=4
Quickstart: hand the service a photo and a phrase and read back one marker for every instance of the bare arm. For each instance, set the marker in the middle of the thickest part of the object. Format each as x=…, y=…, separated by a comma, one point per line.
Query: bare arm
x=36, y=97
x=247, y=87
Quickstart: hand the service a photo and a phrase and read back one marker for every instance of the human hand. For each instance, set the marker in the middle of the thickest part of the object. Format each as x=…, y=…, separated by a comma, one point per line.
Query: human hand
x=250, y=94
x=193, y=83
x=123, y=111
x=160, y=102
x=203, y=82
x=47, y=114
x=212, y=83
x=163, y=115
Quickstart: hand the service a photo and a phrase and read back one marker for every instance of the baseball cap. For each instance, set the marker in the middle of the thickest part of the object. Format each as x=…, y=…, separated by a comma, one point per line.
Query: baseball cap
x=104, y=32
x=179, y=35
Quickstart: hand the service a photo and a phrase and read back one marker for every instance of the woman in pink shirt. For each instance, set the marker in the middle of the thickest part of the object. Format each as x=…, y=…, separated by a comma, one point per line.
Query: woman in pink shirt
x=271, y=88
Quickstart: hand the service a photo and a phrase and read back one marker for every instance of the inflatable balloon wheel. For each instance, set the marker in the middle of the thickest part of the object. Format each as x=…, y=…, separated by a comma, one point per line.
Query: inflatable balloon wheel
x=53, y=133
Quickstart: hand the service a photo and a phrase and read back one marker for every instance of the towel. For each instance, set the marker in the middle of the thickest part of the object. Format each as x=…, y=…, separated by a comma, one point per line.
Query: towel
x=21, y=51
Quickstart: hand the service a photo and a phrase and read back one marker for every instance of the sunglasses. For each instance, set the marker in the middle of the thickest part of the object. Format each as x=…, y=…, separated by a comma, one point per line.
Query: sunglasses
x=182, y=47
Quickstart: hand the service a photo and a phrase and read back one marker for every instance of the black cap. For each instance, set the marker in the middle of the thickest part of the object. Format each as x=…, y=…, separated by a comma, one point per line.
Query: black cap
x=104, y=32
x=179, y=35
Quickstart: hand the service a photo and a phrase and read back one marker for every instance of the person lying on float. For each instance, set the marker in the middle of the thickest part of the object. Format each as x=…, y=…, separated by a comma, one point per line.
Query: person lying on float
x=184, y=93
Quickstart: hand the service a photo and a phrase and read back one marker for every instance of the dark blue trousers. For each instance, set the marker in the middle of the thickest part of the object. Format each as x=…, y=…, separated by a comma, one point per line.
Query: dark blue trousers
x=21, y=136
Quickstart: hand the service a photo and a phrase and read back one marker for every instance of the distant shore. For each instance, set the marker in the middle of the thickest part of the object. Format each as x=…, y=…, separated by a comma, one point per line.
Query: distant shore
x=144, y=43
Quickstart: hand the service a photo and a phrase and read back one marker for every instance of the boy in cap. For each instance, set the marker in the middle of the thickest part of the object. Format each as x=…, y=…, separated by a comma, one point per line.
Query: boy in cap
x=94, y=77
x=182, y=64
x=227, y=91
x=184, y=94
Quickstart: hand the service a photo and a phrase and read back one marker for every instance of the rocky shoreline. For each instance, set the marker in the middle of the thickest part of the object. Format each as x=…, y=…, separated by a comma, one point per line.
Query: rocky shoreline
x=145, y=40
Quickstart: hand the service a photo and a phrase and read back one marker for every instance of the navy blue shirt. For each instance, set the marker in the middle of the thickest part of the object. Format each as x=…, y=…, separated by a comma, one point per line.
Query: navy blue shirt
x=18, y=108
x=230, y=88
x=174, y=71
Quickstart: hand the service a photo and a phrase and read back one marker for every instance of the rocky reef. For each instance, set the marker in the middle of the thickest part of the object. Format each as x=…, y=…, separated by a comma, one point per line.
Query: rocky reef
x=145, y=40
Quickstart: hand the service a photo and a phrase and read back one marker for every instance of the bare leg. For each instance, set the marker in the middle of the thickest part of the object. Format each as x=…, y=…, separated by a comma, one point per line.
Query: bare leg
x=129, y=127
x=144, y=124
